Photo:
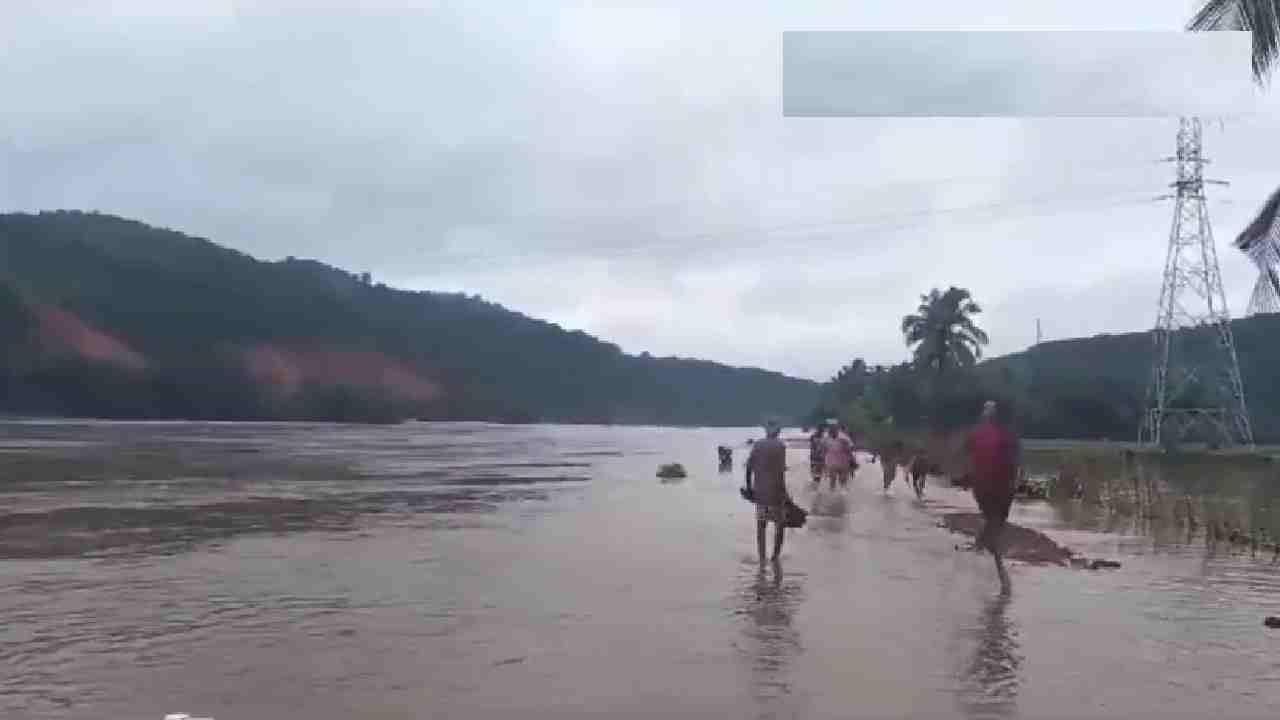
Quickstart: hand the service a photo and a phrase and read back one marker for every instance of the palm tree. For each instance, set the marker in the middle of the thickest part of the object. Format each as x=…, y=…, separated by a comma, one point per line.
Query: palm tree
x=943, y=332
x=1260, y=17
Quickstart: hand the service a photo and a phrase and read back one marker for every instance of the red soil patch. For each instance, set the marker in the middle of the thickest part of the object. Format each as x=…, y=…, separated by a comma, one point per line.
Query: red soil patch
x=287, y=370
x=60, y=329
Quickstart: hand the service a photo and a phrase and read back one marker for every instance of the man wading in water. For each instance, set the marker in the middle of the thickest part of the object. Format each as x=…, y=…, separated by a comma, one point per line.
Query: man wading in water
x=994, y=456
x=767, y=466
x=816, y=451
x=838, y=457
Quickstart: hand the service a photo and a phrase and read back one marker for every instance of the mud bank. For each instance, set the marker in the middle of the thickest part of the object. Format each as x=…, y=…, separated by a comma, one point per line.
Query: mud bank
x=1023, y=544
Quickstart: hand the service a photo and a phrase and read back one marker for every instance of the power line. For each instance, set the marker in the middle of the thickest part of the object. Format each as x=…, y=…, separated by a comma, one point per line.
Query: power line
x=576, y=221
x=884, y=222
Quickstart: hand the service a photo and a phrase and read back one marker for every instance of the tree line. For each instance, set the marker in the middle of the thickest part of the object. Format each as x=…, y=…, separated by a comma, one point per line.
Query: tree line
x=1083, y=388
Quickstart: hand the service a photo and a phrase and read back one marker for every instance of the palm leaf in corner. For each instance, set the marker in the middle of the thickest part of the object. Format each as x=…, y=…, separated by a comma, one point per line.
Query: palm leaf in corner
x=1260, y=17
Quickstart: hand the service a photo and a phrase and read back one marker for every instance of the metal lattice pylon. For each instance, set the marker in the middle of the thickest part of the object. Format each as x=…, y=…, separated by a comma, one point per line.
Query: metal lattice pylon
x=1191, y=391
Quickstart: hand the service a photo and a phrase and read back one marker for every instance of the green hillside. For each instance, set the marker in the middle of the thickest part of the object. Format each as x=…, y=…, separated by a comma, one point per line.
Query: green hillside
x=106, y=317
x=1083, y=388
x=1095, y=387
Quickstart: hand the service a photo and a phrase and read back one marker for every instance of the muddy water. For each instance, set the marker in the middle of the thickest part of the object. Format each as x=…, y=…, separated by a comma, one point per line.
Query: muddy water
x=427, y=571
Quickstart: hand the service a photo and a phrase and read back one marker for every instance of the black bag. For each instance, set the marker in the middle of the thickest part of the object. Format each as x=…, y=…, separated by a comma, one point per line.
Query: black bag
x=793, y=516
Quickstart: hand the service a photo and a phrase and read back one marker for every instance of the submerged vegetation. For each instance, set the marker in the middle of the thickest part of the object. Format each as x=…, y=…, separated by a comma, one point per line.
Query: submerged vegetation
x=1217, y=499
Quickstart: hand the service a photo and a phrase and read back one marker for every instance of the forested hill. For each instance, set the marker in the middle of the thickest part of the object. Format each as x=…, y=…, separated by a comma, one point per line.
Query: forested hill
x=1095, y=387
x=106, y=317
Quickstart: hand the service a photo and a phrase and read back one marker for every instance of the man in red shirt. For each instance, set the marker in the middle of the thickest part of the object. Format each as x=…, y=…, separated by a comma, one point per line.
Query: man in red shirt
x=994, y=453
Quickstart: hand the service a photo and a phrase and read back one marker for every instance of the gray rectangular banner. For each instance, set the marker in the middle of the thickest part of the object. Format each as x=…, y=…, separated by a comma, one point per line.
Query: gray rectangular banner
x=1017, y=74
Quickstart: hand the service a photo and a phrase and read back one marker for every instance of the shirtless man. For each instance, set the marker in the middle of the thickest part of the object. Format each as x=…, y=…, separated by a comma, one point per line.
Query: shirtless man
x=766, y=483
x=890, y=457
x=816, y=451
x=726, y=458
x=853, y=456
x=920, y=468
x=838, y=457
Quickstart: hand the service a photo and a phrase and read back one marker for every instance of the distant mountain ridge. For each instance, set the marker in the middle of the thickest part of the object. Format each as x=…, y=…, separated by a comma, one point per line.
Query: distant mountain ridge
x=107, y=317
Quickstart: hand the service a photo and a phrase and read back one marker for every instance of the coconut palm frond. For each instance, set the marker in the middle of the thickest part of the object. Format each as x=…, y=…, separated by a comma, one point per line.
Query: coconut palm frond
x=1217, y=15
x=909, y=332
x=1260, y=17
x=978, y=334
x=963, y=353
x=1257, y=229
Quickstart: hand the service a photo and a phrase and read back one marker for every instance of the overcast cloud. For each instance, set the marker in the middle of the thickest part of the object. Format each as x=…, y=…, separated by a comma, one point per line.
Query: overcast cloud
x=623, y=171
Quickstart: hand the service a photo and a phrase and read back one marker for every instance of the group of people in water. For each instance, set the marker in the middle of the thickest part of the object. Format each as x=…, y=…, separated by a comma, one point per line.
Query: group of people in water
x=831, y=454
x=992, y=453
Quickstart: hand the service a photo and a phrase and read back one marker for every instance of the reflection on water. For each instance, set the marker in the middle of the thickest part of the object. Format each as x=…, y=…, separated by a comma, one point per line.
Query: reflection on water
x=767, y=598
x=992, y=676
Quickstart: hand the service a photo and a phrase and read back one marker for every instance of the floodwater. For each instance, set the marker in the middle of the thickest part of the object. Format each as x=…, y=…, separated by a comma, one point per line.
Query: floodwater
x=473, y=571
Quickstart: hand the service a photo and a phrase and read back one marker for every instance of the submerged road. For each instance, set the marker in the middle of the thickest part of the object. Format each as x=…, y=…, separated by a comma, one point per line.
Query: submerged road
x=544, y=572
x=653, y=602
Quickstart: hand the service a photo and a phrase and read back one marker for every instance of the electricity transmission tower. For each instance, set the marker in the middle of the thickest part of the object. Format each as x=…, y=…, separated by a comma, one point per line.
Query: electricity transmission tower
x=1195, y=379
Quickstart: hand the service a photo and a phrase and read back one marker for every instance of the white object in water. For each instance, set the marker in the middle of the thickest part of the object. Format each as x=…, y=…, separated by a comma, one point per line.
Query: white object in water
x=183, y=716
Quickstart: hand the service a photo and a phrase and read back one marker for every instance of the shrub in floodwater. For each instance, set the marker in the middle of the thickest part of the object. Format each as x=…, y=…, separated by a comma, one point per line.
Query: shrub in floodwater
x=1177, y=498
x=671, y=471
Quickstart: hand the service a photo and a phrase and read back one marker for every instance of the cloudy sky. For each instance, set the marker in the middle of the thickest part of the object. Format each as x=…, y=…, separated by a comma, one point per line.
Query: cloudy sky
x=618, y=168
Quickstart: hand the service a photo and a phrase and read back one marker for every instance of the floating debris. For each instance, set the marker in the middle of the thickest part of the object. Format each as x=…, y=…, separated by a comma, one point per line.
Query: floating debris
x=672, y=471
x=1035, y=488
